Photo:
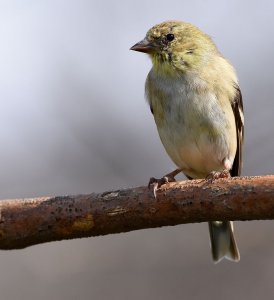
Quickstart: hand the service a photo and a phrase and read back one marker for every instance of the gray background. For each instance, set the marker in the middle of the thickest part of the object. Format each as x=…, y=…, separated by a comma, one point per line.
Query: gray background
x=74, y=120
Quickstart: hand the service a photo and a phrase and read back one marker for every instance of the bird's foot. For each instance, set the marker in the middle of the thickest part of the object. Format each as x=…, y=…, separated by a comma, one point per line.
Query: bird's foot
x=217, y=175
x=154, y=184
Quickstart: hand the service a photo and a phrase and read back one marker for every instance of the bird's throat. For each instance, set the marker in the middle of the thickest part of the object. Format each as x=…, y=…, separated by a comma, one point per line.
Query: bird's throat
x=163, y=65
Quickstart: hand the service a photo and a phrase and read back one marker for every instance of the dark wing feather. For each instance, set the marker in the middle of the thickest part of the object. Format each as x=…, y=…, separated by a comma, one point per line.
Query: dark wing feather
x=238, y=110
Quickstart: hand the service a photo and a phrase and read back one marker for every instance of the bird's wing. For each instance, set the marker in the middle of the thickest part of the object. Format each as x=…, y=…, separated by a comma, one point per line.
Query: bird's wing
x=237, y=106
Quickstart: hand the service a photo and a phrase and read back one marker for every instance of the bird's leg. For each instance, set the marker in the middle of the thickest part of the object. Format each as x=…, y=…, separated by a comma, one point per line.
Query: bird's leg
x=217, y=175
x=221, y=174
x=154, y=183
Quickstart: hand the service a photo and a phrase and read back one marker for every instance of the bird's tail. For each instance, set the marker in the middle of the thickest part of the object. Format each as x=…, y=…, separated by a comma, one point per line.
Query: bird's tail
x=223, y=244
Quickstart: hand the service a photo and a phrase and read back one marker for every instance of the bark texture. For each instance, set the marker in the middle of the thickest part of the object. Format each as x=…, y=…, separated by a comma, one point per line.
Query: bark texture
x=25, y=222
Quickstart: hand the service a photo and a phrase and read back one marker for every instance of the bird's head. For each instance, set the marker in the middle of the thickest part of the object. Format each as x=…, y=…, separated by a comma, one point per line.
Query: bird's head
x=176, y=47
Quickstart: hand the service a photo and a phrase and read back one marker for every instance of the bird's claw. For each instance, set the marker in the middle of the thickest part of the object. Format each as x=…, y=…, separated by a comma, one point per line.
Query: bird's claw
x=217, y=175
x=154, y=184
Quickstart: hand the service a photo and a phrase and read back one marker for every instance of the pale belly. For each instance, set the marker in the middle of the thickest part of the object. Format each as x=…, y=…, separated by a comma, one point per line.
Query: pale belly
x=196, y=160
x=198, y=140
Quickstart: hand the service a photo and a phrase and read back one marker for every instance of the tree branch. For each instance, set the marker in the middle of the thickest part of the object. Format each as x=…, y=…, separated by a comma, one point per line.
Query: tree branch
x=25, y=222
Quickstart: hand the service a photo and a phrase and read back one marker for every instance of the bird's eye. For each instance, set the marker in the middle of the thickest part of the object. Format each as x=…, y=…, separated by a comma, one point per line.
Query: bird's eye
x=170, y=37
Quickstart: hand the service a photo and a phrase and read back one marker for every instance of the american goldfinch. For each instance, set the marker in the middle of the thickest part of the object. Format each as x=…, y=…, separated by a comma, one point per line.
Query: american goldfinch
x=194, y=96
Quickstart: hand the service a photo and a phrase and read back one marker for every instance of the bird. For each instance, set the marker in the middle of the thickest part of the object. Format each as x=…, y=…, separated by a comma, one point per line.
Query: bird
x=194, y=96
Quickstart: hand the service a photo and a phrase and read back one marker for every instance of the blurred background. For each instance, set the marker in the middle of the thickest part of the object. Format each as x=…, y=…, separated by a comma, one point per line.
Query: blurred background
x=74, y=120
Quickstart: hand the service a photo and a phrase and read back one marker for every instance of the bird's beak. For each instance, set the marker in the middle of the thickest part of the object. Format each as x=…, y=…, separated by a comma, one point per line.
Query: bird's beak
x=144, y=46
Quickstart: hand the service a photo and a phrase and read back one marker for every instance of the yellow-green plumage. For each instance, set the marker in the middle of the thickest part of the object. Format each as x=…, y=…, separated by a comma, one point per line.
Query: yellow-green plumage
x=191, y=90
